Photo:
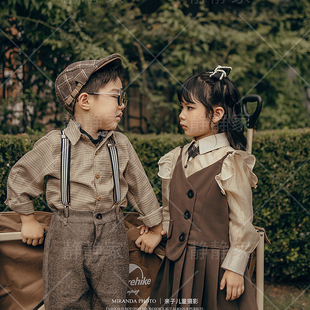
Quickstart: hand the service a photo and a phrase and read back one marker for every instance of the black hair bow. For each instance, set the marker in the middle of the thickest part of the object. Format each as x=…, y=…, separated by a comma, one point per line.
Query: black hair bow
x=220, y=72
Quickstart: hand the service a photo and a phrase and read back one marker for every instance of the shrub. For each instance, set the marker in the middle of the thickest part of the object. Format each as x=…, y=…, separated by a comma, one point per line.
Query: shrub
x=281, y=201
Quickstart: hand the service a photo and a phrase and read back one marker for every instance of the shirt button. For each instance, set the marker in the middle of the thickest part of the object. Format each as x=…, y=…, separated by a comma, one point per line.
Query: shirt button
x=182, y=237
x=96, y=153
x=99, y=216
x=187, y=215
x=190, y=194
x=99, y=198
x=97, y=176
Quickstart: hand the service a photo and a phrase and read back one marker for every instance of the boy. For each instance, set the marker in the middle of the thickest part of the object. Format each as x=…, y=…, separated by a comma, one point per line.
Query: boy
x=86, y=252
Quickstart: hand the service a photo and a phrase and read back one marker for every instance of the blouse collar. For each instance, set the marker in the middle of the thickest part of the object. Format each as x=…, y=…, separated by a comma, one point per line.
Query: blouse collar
x=213, y=142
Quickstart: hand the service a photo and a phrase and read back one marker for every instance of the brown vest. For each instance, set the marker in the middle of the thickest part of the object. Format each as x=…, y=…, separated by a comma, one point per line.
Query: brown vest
x=199, y=212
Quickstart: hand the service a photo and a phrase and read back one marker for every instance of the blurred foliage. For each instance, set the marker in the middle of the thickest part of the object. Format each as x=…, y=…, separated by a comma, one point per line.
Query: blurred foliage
x=281, y=200
x=265, y=42
x=38, y=40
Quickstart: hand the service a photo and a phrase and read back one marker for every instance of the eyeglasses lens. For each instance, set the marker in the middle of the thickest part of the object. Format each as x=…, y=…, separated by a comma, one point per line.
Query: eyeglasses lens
x=123, y=98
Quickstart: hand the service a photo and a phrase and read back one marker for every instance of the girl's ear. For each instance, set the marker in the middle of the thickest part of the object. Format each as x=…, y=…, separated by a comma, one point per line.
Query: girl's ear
x=83, y=101
x=218, y=114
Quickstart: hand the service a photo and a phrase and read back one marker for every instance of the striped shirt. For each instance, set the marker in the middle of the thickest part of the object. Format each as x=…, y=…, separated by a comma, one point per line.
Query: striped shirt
x=91, y=177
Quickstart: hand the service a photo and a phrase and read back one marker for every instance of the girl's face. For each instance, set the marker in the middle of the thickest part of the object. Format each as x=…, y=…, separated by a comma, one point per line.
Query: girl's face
x=196, y=123
x=194, y=120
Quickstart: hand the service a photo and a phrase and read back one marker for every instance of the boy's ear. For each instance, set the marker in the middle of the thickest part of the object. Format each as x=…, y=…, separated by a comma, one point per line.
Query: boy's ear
x=83, y=101
x=218, y=114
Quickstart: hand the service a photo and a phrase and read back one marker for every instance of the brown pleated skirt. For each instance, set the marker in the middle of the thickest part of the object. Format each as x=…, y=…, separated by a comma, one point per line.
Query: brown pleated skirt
x=193, y=282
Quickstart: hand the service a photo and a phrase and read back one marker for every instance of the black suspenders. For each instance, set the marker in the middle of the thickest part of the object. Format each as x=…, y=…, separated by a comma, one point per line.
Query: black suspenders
x=115, y=169
x=65, y=171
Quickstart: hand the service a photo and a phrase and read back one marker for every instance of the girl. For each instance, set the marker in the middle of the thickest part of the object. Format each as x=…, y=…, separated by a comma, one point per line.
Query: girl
x=207, y=194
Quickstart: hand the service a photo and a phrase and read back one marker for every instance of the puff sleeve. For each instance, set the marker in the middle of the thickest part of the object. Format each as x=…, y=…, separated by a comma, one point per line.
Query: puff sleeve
x=235, y=181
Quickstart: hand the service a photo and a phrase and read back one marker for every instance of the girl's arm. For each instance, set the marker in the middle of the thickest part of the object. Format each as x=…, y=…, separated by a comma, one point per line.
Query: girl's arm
x=237, y=185
x=236, y=181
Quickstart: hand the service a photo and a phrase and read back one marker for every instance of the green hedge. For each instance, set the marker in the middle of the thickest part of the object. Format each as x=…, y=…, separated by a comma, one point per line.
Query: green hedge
x=281, y=200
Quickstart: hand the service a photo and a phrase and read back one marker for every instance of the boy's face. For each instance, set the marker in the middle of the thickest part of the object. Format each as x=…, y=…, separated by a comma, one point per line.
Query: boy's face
x=104, y=109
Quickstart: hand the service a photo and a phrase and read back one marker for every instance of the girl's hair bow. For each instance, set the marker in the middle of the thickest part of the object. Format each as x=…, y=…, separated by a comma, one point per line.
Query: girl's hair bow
x=220, y=72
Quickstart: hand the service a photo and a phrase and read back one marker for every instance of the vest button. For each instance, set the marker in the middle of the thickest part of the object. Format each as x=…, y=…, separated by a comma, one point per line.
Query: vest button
x=99, y=216
x=187, y=215
x=182, y=237
x=190, y=194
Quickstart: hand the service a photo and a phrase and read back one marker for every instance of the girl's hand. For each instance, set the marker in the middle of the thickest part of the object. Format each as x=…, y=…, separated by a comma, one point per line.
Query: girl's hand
x=234, y=284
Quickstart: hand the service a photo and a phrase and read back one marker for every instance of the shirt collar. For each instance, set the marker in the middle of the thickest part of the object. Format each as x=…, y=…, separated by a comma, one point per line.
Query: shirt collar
x=100, y=135
x=213, y=142
x=74, y=134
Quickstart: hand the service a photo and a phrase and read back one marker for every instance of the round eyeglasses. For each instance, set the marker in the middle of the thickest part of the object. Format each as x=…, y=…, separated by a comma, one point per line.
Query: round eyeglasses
x=122, y=96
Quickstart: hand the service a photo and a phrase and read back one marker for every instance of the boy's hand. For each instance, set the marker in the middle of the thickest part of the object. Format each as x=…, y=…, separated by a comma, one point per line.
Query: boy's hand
x=32, y=231
x=150, y=239
x=145, y=230
x=234, y=284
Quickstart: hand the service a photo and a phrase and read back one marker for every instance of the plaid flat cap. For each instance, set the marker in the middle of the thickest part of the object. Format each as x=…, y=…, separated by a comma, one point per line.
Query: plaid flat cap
x=70, y=81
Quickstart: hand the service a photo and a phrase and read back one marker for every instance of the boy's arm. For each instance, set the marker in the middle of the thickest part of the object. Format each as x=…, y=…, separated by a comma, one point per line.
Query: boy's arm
x=140, y=193
x=25, y=182
x=26, y=178
x=32, y=231
x=166, y=214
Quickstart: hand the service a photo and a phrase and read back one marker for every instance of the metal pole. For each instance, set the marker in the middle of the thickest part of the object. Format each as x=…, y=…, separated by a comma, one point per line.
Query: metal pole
x=260, y=247
x=260, y=272
x=249, y=140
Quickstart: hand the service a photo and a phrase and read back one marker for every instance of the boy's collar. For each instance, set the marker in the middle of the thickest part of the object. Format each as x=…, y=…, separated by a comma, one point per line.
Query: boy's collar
x=73, y=132
x=100, y=135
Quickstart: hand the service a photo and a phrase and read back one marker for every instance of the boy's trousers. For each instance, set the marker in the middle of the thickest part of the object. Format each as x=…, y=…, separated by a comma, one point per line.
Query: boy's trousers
x=86, y=261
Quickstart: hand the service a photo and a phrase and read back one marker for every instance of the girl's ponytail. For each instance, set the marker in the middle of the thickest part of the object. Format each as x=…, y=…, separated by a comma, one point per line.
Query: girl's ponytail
x=231, y=121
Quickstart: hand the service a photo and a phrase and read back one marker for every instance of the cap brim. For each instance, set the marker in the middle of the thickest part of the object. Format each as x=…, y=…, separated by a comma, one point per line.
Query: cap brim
x=117, y=58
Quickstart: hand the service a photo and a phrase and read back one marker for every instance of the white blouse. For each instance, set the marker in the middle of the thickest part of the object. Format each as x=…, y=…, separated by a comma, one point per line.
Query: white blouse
x=235, y=181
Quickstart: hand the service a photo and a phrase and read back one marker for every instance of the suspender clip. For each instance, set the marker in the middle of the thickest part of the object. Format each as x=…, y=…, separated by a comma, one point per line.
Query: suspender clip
x=66, y=211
